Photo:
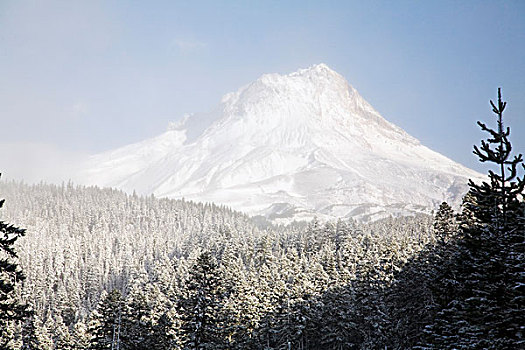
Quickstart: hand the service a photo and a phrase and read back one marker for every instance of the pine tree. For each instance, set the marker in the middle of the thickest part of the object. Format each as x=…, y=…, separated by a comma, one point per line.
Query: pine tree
x=423, y=285
x=30, y=337
x=80, y=336
x=445, y=222
x=202, y=307
x=35, y=335
x=243, y=308
x=163, y=335
x=339, y=323
x=485, y=307
x=11, y=276
x=499, y=201
x=136, y=324
x=106, y=328
x=62, y=337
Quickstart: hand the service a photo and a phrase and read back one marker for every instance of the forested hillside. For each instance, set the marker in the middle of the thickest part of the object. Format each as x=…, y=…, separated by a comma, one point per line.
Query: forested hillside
x=109, y=270
x=322, y=284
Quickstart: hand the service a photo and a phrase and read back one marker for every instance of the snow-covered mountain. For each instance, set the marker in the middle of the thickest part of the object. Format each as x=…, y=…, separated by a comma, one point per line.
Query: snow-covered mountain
x=288, y=147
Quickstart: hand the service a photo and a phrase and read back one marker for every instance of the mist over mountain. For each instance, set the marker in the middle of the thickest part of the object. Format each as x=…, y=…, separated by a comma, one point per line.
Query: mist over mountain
x=288, y=147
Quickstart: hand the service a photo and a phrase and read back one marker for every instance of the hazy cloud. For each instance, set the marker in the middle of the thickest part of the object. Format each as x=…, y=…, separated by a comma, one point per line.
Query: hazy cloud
x=34, y=162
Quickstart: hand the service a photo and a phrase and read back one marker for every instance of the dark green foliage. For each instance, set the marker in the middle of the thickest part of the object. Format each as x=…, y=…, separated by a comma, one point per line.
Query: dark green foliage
x=30, y=339
x=484, y=308
x=136, y=326
x=425, y=283
x=202, y=308
x=341, y=320
x=163, y=337
x=34, y=335
x=106, y=330
x=127, y=324
x=499, y=201
x=445, y=224
x=11, y=276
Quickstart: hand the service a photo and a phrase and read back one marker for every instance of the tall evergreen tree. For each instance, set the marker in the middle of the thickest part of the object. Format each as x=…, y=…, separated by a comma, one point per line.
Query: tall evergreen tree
x=136, y=323
x=499, y=201
x=35, y=335
x=30, y=339
x=486, y=309
x=202, y=307
x=62, y=337
x=445, y=222
x=80, y=336
x=163, y=334
x=106, y=328
x=11, y=309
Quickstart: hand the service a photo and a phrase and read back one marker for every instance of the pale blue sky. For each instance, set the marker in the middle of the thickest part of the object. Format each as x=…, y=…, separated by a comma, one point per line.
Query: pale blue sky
x=88, y=76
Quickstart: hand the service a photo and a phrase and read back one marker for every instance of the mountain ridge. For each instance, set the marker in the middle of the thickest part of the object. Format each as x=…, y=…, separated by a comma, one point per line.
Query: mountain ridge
x=288, y=147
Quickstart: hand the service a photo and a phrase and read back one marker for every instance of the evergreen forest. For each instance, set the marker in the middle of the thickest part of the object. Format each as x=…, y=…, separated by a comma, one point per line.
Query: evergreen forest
x=88, y=268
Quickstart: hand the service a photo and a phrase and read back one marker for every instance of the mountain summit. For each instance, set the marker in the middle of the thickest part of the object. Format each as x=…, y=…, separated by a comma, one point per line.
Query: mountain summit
x=288, y=147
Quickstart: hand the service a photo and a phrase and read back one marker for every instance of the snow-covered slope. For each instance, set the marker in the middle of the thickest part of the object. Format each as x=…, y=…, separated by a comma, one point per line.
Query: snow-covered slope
x=288, y=147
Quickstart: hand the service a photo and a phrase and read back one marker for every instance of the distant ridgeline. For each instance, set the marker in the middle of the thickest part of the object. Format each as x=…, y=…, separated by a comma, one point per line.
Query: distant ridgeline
x=109, y=270
x=97, y=257
x=288, y=147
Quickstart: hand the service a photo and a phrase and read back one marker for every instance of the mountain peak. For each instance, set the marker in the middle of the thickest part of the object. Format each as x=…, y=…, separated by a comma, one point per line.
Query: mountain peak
x=315, y=98
x=306, y=141
x=313, y=86
x=319, y=69
x=316, y=74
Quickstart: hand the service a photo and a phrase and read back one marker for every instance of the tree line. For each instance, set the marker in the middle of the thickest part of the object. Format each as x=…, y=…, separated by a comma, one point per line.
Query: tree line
x=107, y=270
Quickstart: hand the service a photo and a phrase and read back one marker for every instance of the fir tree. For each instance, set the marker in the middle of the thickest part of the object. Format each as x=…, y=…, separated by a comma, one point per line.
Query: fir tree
x=163, y=335
x=80, y=336
x=30, y=337
x=136, y=324
x=202, y=308
x=445, y=222
x=35, y=335
x=339, y=323
x=11, y=276
x=62, y=338
x=486, y=309
x=106, y=328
